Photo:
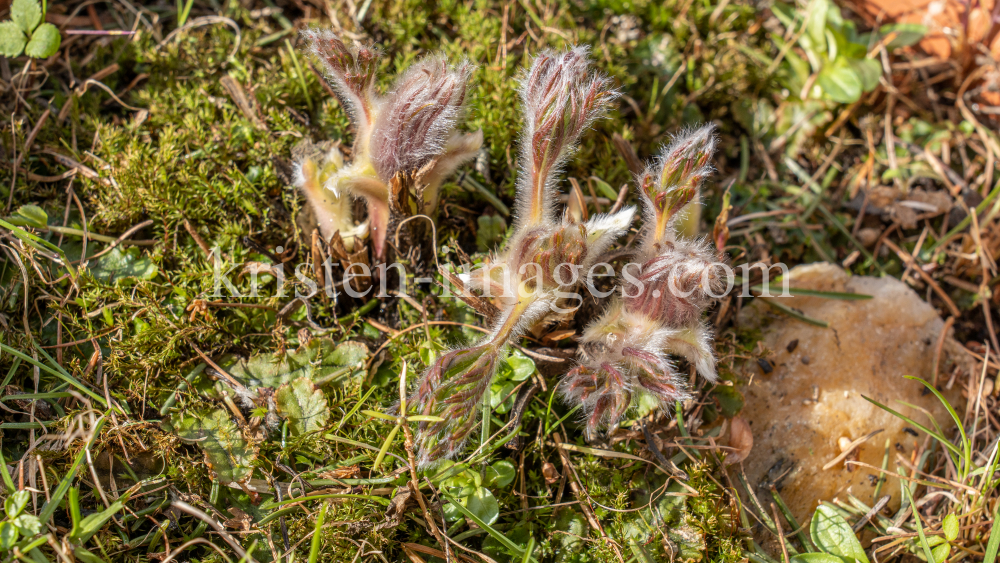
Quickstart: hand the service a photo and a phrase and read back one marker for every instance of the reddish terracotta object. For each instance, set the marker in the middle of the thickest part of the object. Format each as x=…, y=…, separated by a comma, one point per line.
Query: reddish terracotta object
x=955, y=28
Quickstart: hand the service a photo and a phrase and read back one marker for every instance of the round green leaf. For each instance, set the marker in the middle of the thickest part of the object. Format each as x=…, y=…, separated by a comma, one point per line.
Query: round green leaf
x=500, y=474
x=906, y=34
x=12, y=39
x=123, y=264
x=451, y=513
x=483, y=505
x=15, y=503
x=27, y=14
x=44, y=42
x=832, y=534
x=502, y=400
x=840, y=83
x=869, y=71
x=941, y=552
x=29, y=216
x=521, y=365
x=950, y=527
x=28, y=524
x=8, y=535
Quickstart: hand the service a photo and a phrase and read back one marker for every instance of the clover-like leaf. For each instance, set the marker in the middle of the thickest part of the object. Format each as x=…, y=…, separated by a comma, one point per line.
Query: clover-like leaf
x=941, y=552
x=27, y=524
x=15, y=503
x=521, y=365
x=226, y=451
x=12, y=39
x=44, y=42
x=8, y=535
x=832, y=534
x=840, y=82
x=950, y=527
x=303, y=404
x=27, y=14
x=869, y=71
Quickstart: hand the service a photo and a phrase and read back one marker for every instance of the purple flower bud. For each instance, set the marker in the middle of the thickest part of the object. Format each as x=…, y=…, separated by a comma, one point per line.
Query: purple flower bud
x=350, y=71
x=674, y=179
x=419, y=116
x=678, y=284
x=561, y=98
x=452, y=389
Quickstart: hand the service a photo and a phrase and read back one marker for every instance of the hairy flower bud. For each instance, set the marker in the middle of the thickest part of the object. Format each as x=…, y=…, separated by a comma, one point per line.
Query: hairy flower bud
x=678, y=284
x=673, y=180
x=561, y=98
x=411, y=130
x=541, y=263
x=627, y=351
x=351, y=71
x=418, y=116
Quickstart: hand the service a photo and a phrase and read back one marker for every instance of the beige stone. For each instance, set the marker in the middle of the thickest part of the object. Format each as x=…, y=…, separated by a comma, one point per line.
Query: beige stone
x=802, y=411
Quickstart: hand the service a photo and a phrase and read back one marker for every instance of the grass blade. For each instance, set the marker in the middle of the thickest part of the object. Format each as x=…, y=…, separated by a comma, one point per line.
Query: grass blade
x=7, y=481
x=916, y=517
x=385, y=447
x=952, y=447
x=802, y=292
x=67, y=378
x=994, y=544
x=353, y=410
x=49, y=508
x=314, y=544
x=511, y=546
x=794, y=314
x=966, y=444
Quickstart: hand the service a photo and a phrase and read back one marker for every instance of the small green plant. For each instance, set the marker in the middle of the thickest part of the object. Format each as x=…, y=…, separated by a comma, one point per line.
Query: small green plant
x=834, y=61
x=822, y=61
x=833, y=536
x=25, y=32
x=23, y=532
x=16, y=523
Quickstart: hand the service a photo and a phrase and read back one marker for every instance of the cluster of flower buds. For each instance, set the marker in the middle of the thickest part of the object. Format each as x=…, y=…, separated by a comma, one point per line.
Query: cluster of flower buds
x=561, y=97
x=627, y=351
x=413, y=130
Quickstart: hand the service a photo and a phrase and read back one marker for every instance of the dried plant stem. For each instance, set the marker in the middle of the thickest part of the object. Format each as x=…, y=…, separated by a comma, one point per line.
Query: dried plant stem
x=581, y=495
x=415, y=489
x=185, y=507
x=907, y=259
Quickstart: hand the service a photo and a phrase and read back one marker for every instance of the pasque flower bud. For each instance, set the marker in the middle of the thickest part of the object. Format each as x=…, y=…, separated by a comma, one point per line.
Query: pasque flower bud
x=540, y=264
x=629, y=350
x=413, y=129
